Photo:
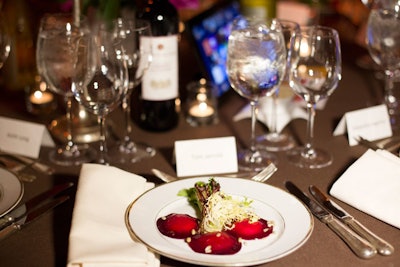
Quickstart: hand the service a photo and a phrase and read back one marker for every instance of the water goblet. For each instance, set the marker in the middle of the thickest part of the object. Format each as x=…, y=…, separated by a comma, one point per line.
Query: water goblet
x=383, y=43
x=133, y=34
x=100, y=80
x=256, y=65
x=56, y=44
x=275, y=140
x=315, y=71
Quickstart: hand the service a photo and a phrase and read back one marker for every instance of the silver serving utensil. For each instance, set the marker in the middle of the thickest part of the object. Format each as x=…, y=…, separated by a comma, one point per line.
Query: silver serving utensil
x=31, y=216
x=357, y=244
x=260, y=177
x=30, y=205
x=383, y=247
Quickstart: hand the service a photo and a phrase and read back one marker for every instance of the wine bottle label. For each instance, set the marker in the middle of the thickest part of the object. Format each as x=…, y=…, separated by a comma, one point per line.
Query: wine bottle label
x=160, y=81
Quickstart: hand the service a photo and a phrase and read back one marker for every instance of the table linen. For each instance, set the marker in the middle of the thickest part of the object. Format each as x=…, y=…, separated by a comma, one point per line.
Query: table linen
x=99, y=236
x=372, y=185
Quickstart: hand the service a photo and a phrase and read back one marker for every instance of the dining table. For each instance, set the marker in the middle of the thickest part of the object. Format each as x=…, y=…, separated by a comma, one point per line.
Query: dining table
x=44, y=242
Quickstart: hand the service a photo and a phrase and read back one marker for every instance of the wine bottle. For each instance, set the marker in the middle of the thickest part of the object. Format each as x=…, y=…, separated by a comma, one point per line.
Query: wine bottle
x=258, y=8
x=159, y=88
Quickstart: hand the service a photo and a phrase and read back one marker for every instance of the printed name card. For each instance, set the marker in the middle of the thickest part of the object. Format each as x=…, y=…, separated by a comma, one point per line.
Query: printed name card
x=23, y=138
x=206, y=156
x=372, y=123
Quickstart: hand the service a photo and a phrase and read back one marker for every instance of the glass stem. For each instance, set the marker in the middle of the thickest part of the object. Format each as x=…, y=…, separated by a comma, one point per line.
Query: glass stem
x=309, y=151
x=253, y=105
x=273, y=129
x=103, y=147
x=126, y=107
x=390, y=98
x=68, y=116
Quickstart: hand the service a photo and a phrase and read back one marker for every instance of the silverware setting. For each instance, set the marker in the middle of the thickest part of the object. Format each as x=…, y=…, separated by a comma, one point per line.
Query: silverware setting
x=262, y=176
x=361, y=247
x=390, y=144
x=362, y=241
x=383, y=247
x=32, y=209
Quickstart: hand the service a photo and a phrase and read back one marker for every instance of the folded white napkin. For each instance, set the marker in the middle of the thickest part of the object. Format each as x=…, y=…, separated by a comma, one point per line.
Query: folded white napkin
x=99, y=236
x=287, y=110
x=372, y=185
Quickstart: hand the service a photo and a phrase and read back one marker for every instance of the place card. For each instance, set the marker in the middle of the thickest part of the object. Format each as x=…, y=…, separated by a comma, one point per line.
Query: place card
x=371, y=123
x=206, y=156
x=23, y=138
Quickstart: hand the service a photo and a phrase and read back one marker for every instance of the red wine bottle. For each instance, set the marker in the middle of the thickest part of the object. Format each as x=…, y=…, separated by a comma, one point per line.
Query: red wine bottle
x=159, y=89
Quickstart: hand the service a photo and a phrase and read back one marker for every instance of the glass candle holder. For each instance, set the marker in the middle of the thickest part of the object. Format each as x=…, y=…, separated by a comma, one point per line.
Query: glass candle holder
x=201, y=103
x=39, y=100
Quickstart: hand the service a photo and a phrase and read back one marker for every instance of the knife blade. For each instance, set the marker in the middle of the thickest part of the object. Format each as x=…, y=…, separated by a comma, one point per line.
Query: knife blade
x=31, y=216
x=31, y=204
x=357, y=244
x=383, y=247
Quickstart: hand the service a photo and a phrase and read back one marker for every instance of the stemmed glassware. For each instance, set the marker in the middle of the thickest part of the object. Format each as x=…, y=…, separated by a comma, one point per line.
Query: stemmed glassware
x=5, y=42
x=56, y=44
x=100, y=80
x=275, y=140
x=315, y=71
x=256, y=65
x=132, y=33
x=383, y=42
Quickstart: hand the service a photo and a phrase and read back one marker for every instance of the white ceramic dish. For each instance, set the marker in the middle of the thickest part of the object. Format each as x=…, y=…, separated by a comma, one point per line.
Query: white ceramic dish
x=11, y=191
x=293, y=223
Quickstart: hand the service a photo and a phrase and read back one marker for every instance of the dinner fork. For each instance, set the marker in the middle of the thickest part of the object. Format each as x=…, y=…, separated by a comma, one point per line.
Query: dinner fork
x=262, y=176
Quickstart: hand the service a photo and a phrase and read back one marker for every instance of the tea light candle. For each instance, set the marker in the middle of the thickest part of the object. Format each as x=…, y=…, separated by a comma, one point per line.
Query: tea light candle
x=201, y=110
x=41, y=98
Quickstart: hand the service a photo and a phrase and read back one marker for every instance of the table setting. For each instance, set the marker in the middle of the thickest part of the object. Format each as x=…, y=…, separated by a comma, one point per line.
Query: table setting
x=326, y=199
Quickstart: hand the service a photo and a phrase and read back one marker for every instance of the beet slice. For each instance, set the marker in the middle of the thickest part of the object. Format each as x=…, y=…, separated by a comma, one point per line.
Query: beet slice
x=251, y=230
x=219, y=243
x=178, y=225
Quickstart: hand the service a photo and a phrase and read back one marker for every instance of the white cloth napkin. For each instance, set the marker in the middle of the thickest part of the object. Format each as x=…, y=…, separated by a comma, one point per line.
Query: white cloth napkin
x=287, y=110
x=99, y=236
x=372, y=185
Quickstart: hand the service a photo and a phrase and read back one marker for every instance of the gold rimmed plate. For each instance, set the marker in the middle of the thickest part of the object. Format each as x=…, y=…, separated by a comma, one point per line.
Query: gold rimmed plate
x=293, y=223
x=11, y=191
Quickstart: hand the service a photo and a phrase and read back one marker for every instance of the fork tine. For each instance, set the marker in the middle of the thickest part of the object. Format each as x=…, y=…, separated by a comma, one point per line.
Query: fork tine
x=266, y=173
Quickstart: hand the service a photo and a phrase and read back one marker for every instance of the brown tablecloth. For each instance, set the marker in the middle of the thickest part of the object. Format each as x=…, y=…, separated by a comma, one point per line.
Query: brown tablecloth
x=44, y=242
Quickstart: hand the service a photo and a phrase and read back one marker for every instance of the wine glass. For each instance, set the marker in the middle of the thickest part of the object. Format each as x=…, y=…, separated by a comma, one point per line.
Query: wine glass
x=315, y=71
x=256, y=65
x=134, y=35
x=383, y=42
x=5, y=42
x=274, y=140
x=100, y=79
x=56, y=45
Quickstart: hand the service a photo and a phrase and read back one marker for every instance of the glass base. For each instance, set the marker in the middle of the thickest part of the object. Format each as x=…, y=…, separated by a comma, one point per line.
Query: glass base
x=275, y=142
x=315, y=160
x=255, y=161
x=130, y=152
x=72, y=156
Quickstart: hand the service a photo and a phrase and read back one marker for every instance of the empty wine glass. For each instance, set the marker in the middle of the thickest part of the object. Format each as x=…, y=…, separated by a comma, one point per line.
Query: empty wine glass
x=132, y=33
x=274, y=140
x=100, y=80
x=315, y=71
x=5, y=42
x=383, y=42
x=56, y=44
x=256, y=65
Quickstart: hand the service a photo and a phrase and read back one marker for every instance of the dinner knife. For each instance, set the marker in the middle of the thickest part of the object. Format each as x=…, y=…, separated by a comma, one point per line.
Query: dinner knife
x=31, y=216
x=357, y=244
x=383, y=247
x=23, y=209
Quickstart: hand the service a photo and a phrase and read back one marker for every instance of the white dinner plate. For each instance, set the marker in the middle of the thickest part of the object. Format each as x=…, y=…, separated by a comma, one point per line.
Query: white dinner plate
x=11, y=191
x=293, y=223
